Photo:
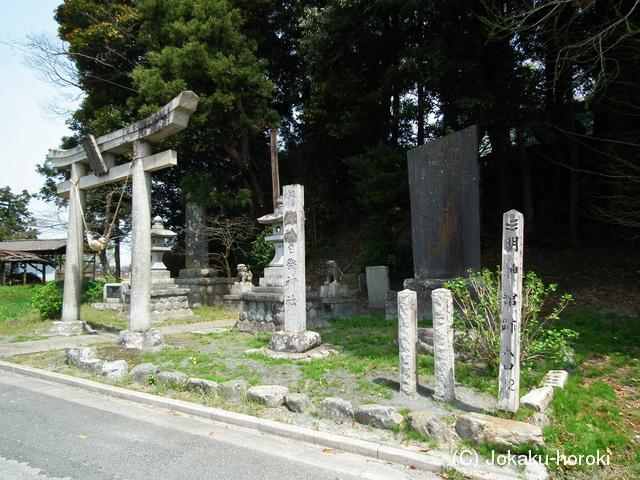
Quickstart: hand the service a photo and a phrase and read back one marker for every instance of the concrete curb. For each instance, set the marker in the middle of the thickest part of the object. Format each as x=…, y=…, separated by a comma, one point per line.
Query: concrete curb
x=422, y=461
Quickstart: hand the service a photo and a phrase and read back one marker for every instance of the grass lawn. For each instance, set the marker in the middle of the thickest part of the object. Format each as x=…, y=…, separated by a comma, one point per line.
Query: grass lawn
x=598, y=411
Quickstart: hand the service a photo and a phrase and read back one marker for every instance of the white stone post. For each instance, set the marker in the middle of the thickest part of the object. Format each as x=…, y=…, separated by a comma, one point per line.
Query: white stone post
x=75, y=246
x=140, y=316
x=295, y=337
x=408, y=341
x=295, y=291
x=444, y=358
x=511, y=315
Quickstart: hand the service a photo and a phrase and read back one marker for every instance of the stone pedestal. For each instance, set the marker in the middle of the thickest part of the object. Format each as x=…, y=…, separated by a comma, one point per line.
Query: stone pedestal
x=334, y=290
x=424, y=289
x=337, y=301
x=147, y=341
x=294, y=342
x=70, y=328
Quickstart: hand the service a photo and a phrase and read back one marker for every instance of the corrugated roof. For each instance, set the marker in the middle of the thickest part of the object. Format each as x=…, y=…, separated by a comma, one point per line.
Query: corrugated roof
x=38, y=245
x=11, y=256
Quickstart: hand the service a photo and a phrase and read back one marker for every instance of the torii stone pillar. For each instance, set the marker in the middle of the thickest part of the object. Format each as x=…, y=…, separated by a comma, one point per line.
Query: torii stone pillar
x=100, y=154
x=140, y=316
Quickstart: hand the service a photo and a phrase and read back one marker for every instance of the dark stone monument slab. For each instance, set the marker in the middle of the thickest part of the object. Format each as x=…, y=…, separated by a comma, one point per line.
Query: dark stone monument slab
x=445, y=213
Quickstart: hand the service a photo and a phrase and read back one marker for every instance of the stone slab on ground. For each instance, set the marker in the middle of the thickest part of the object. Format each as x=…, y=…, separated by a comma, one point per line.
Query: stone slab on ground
x=499, y=433
x=430, y=425
x=294, y=342
x=298, y=402
x=209, y=330
x=555, y=378
x=116, y=369
x=337, y=409
x=322, y=351
x=78, y=355
x=540, y=419
x=379, y=416
x=233, y=390
x=143, y=371
x=201, y=385
x=538, y=399
x=171, y=379
x=269, y=395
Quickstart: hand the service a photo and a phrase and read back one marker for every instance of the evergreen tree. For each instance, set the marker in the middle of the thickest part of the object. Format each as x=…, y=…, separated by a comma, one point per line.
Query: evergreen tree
x=16, y=223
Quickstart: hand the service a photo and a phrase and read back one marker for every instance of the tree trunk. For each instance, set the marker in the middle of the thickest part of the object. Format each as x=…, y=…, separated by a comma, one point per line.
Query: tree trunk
x=107, y=271
x=249, y=179
x=242, y=159
x=525, y=175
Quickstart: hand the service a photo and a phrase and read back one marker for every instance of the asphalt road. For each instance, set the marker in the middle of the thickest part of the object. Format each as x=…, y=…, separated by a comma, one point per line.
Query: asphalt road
x=52, y=432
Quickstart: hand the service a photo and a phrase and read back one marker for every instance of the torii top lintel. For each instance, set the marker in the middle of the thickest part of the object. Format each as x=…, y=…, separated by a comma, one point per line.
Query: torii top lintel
x=170, y=119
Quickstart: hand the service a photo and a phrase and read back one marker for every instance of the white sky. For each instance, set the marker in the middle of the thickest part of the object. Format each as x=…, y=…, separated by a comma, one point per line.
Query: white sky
x=27, y=129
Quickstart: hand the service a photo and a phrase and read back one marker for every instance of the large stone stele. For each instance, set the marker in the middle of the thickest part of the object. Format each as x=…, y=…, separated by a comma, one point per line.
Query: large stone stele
x=294, y=342
x=499, y=433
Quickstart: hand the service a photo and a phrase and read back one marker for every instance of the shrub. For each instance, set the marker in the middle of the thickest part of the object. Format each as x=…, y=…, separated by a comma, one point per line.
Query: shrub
x=261, y=252
x=478, y=299
x=92, y=291
x=47, y=300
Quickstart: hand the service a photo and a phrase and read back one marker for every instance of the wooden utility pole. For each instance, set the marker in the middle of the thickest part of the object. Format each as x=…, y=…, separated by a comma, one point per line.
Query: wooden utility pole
x=275, y=174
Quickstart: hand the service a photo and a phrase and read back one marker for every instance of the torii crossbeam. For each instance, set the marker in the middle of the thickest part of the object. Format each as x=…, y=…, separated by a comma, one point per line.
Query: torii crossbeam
x=99, y=154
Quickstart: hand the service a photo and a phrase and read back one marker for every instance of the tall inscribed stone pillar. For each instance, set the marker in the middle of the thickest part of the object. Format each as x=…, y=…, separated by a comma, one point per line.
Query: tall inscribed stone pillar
x=294, y=337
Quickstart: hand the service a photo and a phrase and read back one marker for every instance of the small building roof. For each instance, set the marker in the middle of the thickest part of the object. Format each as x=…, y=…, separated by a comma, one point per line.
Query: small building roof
x=37, y=246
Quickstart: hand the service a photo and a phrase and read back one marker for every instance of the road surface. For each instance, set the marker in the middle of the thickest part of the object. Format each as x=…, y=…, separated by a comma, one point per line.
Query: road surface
x=53, y=432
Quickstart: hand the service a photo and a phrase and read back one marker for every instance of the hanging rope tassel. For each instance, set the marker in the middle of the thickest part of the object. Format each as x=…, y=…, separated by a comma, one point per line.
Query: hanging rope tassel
x=97, y=245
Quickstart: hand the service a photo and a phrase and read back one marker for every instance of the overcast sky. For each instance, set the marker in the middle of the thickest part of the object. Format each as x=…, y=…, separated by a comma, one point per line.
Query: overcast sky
x=28, y=129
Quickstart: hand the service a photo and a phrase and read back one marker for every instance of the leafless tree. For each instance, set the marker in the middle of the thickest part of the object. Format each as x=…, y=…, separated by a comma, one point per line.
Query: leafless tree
x=228, y=233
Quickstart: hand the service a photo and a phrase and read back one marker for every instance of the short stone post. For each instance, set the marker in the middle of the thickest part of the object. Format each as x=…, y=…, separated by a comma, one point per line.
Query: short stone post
x=295, y=337
x=444, y=358
x=511, y=315
x=408, y=341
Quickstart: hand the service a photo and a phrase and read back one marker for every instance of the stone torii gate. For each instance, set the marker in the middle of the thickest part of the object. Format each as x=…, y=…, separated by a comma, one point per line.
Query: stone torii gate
x=100, y=155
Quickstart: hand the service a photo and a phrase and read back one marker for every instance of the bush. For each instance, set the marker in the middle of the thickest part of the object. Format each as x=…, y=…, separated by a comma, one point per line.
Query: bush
x=92, y=291
x=261, y=252
x=47, y=300
x=478, y=299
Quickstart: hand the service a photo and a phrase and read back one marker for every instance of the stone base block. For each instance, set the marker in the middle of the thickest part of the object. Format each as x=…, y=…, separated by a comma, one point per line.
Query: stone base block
x=70, y=328
x=378, y=416
x=334, y=290
x=556, y=378
x=295, y=342
x=538, y=399
x=149, y=341
x=270, y=395
x=499, y=433
x=339, y=307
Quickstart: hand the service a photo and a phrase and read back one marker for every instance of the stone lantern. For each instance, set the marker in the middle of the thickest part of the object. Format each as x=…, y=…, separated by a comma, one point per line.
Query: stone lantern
x=159, y=236
x=274, y=273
